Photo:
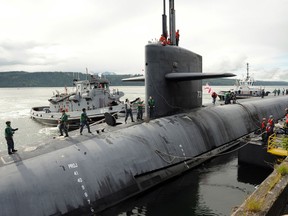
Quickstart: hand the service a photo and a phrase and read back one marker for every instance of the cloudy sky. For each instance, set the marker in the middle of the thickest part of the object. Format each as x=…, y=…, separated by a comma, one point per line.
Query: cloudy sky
x=110, y=35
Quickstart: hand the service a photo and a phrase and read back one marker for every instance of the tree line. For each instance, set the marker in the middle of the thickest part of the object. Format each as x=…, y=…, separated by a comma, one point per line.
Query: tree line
x=60, y=79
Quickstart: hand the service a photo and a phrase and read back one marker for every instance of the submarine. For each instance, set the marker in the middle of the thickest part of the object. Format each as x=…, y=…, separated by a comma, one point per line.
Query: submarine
x=83, y=175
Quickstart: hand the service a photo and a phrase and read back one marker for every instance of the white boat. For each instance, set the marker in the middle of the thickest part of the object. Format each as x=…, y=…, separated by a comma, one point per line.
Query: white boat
x=244, y=88
x=94, y=95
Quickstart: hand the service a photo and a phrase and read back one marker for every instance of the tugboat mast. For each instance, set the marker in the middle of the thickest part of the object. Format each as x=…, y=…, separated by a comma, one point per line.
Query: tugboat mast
x=247, y=72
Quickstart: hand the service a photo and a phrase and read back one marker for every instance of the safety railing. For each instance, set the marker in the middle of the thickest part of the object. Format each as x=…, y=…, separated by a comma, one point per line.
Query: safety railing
x=275, y=146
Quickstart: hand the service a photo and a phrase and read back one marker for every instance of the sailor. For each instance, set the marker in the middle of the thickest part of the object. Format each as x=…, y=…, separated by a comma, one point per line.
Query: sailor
x=163, y=40
x=168, y=41
x=286, y=121
x=262, y=93
x=84, y=121
x=128, y=110
x=9, y=131
x=177, y=37
x=151, y=106
x=227, y=97
x=286, y=124
x=269, y=130
x=214, y=96
x=263, y=129
x=233, y=97
x=63, y=124
x=271, y=122
x=140, y=109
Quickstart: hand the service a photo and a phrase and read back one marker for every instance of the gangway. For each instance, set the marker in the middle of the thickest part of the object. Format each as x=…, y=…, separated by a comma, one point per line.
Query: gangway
x=275, y=146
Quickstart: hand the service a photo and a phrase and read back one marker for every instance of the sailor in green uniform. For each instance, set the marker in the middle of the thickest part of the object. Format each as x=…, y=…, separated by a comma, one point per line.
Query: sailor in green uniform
x=9, y=131
x=140, y=109
x=84, y=121
x=151, y=105
x=63, y=124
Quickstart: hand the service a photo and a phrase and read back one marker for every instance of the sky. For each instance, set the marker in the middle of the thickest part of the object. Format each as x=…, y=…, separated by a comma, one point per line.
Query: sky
x=110, y=35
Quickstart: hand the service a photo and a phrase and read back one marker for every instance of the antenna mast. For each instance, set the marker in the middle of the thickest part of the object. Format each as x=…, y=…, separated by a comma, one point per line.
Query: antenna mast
x=164, y=20
x=172, y=27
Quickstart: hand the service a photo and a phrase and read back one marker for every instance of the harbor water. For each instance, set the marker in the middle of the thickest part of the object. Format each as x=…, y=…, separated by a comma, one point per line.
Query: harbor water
x=213, y=188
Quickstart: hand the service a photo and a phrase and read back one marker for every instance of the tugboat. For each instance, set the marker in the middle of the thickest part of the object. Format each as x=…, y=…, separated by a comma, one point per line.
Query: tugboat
x=94, y=95
x=245, y=88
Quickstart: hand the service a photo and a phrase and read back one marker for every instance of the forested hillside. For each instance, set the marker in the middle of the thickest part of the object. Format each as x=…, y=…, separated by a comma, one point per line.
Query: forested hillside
x=59, y=79
x=53, y=79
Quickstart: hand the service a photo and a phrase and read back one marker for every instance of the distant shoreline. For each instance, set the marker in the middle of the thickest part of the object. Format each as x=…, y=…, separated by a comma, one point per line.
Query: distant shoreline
x=20, y=79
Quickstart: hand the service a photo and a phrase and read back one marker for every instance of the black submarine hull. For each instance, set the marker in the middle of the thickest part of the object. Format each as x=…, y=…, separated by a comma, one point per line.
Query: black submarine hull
x=85, y=176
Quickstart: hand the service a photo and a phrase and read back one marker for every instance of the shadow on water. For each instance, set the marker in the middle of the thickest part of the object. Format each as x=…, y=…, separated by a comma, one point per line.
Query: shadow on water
x=213, y=188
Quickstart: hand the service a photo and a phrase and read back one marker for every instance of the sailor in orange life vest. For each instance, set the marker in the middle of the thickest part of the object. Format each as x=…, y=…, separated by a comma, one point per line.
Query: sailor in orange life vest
x=263, y=129
x=163, y=40
x=271, y=122
x=263, y=124
x=269, y=130
x=168, y=41
x=214, y=96
x=177, y=37
x=286, y=124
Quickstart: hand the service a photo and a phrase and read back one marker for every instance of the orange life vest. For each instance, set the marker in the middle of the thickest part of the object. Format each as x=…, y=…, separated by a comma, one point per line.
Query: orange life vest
x=162, y=38
x=263, y=125
x=177, y=35
x=271, y=122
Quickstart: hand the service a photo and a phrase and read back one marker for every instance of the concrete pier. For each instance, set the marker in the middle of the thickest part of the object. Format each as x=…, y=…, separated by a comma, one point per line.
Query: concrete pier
x=270, y=198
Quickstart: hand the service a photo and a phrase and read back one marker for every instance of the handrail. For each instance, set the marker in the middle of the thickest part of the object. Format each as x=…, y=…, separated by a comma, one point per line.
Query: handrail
x=272, y=141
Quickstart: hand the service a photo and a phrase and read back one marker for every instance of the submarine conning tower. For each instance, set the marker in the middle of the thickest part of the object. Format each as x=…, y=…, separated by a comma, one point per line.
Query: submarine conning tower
x=171, y=96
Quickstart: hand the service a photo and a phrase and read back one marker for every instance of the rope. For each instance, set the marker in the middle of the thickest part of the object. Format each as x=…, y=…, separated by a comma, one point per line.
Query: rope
x=193, y=157
x=171, y=106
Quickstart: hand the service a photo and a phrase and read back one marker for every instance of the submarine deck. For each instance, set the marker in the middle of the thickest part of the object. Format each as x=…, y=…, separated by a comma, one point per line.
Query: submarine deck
x=98, y=130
